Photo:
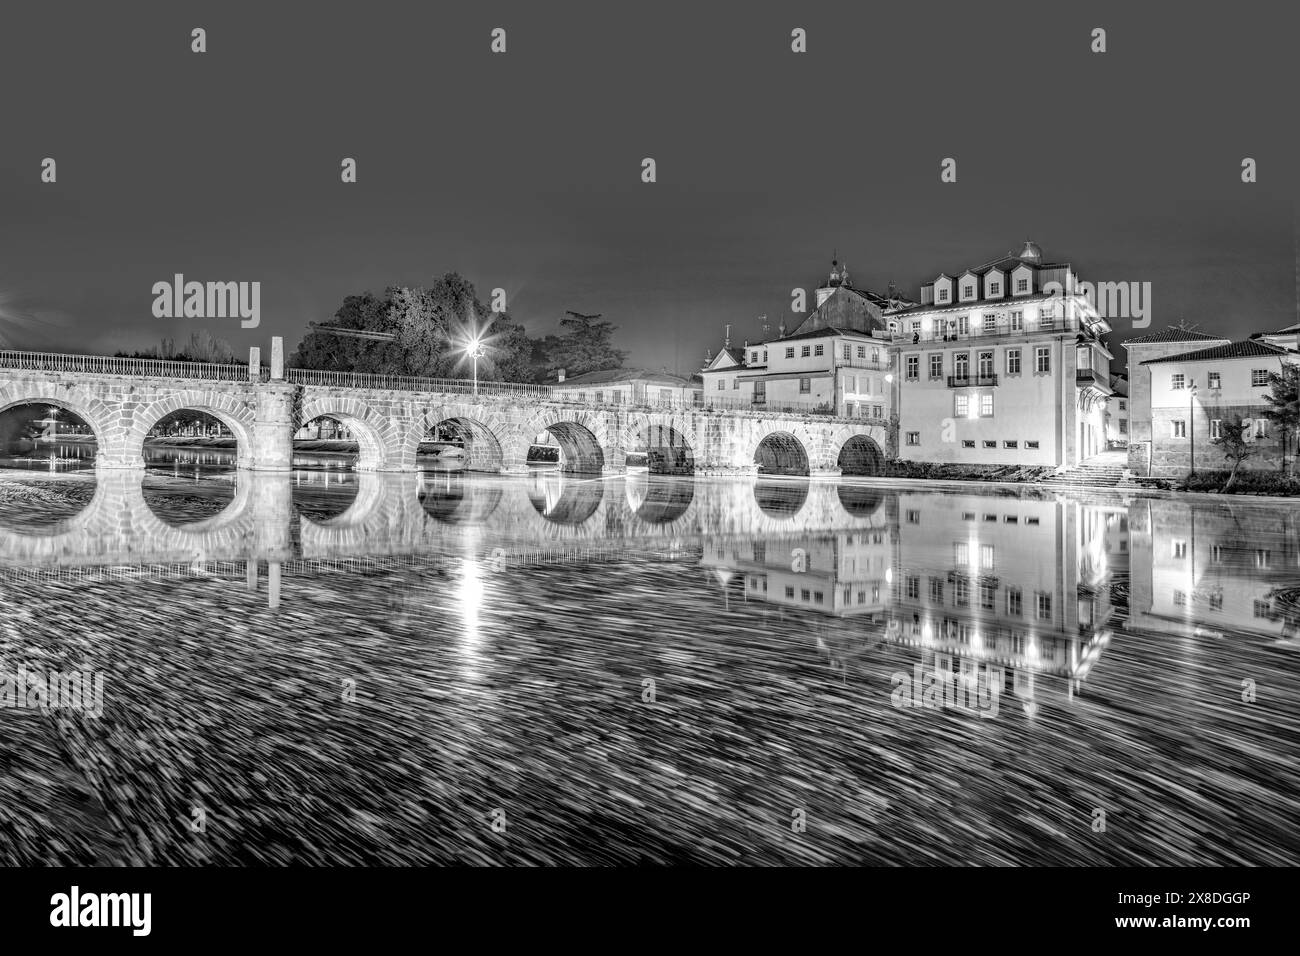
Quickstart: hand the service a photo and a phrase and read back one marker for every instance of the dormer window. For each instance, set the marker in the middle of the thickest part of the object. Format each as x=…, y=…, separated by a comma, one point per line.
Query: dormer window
x=1022, y=285
x=943, y=295
x=753, y=358
x=995, y=289
x=968, y=292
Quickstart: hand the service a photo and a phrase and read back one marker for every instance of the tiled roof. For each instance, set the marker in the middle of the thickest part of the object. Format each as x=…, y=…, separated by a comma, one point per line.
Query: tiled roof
x=1006, y=300
x=1246, y=349
x=823, y=332
x=1173, y=335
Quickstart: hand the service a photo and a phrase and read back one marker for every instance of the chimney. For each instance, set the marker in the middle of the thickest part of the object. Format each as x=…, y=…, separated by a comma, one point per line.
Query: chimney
x=561, y=375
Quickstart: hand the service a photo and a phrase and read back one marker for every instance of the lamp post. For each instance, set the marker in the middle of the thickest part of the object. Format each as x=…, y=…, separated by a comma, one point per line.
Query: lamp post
x=1191, y=424
x=474, y=348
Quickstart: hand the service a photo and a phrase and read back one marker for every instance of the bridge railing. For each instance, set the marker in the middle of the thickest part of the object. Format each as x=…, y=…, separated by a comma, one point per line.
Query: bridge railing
x=403, y=383
x=116, y=365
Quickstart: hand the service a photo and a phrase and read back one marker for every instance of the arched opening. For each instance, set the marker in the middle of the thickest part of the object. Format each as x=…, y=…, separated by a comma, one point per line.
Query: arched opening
x=322, y=494
x=657, y=500
x=460, y=444
x=562, y=500
x=860, y=455
x=336, y=442
x=859, y=501
x=568, y=446
x=780, y=453
x=661, y=450
x=185, y=499
x=45, y=436
x=449, y=498
x=780, y=499
x=191, y=443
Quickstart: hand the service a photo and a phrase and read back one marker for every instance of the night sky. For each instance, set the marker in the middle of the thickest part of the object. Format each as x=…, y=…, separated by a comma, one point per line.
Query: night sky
x=522, y=170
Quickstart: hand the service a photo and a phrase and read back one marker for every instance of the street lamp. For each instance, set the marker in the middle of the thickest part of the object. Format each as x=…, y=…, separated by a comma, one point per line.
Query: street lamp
x=1191, y=424
x=474, y=348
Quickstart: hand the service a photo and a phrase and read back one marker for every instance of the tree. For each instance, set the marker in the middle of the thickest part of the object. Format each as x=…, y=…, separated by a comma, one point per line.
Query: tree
x=431, y=327
x=201, y=347
x=1283, y=399
x=584, y=345
x=1236, y=449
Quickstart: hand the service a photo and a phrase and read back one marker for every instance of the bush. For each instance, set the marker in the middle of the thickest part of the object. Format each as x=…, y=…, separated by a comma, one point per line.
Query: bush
x=1247, y=483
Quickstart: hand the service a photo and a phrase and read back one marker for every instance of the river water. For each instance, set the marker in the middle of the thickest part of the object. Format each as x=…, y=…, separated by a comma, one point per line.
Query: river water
x=332, y=667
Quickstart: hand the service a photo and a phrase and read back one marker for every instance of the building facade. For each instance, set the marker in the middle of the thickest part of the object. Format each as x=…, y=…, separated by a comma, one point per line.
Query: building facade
x=1192, y=393
x=1004, y=363
x=629, y=386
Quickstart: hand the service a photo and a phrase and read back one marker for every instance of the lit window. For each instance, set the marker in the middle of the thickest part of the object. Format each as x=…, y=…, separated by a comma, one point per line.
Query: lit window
x=1032, y=444
x=986, y=405
x=1214, y=382
x=1216, y=425
x=968, y=443
x=1011, y=444
x=990, y=321
x=963, y=406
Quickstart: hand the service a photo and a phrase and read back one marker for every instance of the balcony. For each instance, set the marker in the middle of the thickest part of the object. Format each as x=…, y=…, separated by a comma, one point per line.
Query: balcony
x=1085, y=377
x=971, y=381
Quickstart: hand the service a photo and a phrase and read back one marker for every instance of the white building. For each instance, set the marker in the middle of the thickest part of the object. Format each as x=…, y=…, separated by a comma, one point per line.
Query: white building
x=1003, y=363
x=629, y=386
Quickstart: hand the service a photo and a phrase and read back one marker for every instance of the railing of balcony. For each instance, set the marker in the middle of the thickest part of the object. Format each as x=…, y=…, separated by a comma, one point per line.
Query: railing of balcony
x=971, y=381
x=1088, y=376
x=879, y=365
x=1001, y=331
x=404, y=383
x=114, y=365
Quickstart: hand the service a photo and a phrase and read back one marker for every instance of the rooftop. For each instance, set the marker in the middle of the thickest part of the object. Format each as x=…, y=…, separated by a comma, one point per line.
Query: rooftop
x=1247, y=349
x=611, y=376
x=1174, y=335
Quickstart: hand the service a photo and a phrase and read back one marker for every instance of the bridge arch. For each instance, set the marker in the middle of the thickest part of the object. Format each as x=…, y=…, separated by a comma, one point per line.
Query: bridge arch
x=70, y=398
x=478, y=429
x=583, y=438
x=234, y=412
x=781, y=453
x=669, y=443
x=380, y=442
x=860, y=455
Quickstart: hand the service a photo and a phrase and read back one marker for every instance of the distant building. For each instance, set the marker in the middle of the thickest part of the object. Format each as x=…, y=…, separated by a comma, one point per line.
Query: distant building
x=1193, y=392
x=629, y=386
x=1003, y=363
x=1117, y=412
x=835, y=361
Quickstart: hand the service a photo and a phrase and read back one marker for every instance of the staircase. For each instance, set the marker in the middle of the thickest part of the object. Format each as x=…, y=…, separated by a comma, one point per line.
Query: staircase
x=1101, y=471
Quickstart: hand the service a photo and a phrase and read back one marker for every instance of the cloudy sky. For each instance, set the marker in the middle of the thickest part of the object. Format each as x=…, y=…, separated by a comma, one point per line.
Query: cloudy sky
x=522, y=170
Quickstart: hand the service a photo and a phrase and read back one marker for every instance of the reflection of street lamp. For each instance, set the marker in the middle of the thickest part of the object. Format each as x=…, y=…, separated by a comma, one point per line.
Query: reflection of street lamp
x=474, y=348
x=1191, y=424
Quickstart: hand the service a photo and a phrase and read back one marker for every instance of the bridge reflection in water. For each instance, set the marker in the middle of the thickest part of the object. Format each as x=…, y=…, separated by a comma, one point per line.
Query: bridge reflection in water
x=1040, y=596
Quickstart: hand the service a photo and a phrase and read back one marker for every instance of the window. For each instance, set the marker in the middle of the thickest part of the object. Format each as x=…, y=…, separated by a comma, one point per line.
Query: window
x=1011, y=444
x=1123, y=426
x=1180, y=549
x=753, y=358
x=1258, y=377
x=1044, y=606
x=990, y=321
x=760, y=393
x=789, y=592
x=986, y=405
x=1180, y=428
x=962, y=406
x=914, y=438
x=995, y=289
x=1022, y=285
x=913, y=588
x=968, y=443
x=804, y=352
x=789, y=353
x=963, y=324
x=722, y=384
x=600, y=398
x=913, y=367
x=987, y=596
x=1032, y=444
x=735, y=383
x=913, y=516
x=968, y=291
x=819, y=350
x=936, y=365
x=1043, y=360
x=986, y=364
x=847, y=352
x=1013, y=361
x=1177, y=382
x=936, y=590
x=764, y=362
x=805, y=386
x=1261, y=428
x=990, y=444
x=1216, y=425
x=616, y=397
x=1214, y=383
x=916, y=327
x=943, y=295
x=862, y=351
x=961, y=365
x=1017, y=321
x=877, y=411
x=1123, y=405
x=1014, y=601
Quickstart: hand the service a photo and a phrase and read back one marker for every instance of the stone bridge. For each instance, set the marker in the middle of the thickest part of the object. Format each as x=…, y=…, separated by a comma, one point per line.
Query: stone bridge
x=411, y=514
x=121, y=400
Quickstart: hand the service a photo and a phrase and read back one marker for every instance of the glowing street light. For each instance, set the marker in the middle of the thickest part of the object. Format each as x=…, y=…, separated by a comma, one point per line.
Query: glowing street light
x=474, y=348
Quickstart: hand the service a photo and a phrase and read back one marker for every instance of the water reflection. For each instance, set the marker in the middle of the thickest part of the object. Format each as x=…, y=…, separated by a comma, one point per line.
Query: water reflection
x=516, y=620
